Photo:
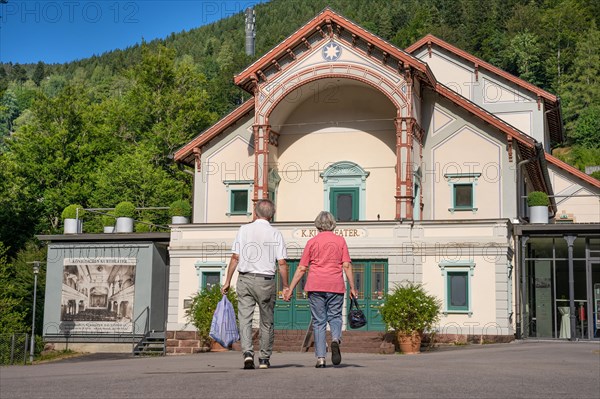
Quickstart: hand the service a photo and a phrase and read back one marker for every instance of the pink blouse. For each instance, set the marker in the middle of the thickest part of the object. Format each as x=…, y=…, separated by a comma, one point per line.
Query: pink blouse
x=324, y=255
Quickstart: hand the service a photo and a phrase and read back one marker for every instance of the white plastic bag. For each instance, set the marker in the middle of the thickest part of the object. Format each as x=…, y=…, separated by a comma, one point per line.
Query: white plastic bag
x=224, y=327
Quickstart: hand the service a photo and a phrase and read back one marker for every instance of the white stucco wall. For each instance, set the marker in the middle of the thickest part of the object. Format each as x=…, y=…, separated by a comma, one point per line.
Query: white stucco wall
x=574, y=197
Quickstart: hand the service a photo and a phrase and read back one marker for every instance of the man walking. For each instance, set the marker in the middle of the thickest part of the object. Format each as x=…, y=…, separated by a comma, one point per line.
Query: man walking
x=256, y=248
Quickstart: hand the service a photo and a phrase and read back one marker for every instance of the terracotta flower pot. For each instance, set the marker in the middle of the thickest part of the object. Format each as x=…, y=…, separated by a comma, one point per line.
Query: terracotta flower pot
x=410, y=343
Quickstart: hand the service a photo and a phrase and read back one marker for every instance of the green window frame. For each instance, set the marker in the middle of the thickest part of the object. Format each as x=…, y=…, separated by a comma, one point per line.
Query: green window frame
x=209, y=273
x=239, y=197
x=238, y=202
x=335, y=193
x=462, y=191
x=209, y=279
x=345, y=175
x=462, y=196
x=457, y=286
x=457, y=291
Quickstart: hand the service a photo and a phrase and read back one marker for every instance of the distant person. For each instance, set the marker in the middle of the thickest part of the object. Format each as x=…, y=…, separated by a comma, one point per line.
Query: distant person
x=325, y=256
x=258, y=246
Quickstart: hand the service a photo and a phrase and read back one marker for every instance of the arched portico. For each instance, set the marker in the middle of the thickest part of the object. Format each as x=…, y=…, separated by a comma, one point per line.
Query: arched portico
x=272, y=110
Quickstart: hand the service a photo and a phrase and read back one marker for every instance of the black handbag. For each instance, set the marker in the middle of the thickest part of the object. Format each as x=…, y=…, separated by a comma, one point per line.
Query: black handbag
x=356, y=317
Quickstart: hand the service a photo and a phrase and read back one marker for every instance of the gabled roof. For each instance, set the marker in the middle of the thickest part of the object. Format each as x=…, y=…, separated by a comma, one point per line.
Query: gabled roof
x=327, y=19
x=186, y=153
x=574, y=171
x=332, y=20
x=551, y=102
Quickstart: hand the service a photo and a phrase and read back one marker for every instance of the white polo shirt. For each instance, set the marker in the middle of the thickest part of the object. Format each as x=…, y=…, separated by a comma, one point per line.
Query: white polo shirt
x=259, y=246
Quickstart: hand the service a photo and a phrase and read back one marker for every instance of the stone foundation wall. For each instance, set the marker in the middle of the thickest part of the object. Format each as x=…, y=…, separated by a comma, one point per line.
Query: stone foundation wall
x=187, y=342
x=183, y=342
x=462, y=339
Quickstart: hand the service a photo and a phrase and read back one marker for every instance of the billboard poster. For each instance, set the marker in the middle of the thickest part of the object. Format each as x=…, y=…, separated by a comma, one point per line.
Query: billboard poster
x=97, y=295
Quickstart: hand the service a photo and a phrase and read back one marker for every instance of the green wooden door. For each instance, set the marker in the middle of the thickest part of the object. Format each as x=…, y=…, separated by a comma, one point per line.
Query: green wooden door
x=295, y=314
x=344, y=203
x=370, y=280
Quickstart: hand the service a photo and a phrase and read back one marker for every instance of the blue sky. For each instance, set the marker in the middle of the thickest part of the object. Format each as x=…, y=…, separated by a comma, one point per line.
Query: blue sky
x=66, y=30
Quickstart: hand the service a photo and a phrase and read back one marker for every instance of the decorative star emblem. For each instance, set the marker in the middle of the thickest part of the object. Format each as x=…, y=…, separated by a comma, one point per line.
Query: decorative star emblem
x=332, y=51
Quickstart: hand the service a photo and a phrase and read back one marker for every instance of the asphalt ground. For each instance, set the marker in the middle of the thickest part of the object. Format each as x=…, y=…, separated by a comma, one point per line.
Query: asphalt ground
x=515, y=370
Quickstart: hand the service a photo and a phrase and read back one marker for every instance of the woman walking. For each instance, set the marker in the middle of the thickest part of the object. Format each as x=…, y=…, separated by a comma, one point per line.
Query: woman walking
x=325, y=256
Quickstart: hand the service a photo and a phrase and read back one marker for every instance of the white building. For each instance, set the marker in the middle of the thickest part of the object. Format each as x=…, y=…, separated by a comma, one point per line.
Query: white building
x=425, y=156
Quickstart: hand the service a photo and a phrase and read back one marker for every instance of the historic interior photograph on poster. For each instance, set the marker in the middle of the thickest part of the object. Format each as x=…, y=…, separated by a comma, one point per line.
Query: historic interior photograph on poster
x=97, y=295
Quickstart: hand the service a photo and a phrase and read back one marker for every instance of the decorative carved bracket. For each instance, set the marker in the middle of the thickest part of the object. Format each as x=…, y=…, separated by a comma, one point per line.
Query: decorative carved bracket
x=274, y=138
x=323, y=35
x=274, y=62
x=354, y=39
x=291, y=54
x=385, y=57
x=262, y=75
x=477, y=72
x=510, y=149
x=306, y=43
x=329, y=26
x=198, y=157
x=369, y=48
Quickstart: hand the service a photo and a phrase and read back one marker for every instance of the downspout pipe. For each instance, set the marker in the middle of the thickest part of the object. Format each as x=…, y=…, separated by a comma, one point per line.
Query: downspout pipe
x=541, y=155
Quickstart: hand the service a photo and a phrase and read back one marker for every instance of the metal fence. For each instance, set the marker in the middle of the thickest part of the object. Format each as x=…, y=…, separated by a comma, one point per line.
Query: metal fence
x=14, y=348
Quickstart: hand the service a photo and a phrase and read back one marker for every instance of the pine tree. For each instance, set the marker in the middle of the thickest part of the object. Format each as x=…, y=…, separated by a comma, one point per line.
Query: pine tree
x=18, y=74
x=39, y=73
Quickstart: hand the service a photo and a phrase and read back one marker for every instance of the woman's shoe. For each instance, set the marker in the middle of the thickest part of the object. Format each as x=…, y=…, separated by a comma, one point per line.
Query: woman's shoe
x=320, y=363
x=336, y=355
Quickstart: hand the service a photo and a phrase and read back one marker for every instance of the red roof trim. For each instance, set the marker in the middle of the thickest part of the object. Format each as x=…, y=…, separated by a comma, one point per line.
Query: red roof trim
x=324, y=16
x=572, y=170
x=481, y=64
x=184, y=152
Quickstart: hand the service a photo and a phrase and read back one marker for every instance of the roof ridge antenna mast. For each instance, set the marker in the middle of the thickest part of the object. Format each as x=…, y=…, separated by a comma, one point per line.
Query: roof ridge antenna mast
x=250, y=31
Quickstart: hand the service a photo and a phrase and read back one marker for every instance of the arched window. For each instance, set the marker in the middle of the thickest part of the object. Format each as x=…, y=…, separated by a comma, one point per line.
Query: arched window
x=344, y=186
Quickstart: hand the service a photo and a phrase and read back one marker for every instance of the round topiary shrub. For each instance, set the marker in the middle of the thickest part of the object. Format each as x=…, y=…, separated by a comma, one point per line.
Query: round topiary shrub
x=538, y=198
x=108, y=220
x=73, y=211
x=180, y=208
x=124, y=209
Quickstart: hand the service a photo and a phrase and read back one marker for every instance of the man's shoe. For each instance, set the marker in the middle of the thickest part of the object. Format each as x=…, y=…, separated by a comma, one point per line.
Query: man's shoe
x=336, y=355
x=320, y=363
x=263, y=363
x=248, y=361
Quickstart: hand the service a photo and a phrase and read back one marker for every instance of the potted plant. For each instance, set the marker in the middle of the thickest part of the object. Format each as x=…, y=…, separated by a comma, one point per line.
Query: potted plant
x=71, y=216
x=108, y=222
x=180, y=212
x=202, y=309
x=124, y=212
x=538, y=203
x=410, y=311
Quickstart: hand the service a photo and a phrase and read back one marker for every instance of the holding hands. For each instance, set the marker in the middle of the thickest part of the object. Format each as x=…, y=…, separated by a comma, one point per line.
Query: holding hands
x=287, y=294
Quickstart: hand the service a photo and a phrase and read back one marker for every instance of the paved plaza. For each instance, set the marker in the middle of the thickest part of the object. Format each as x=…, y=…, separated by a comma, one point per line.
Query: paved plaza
x=520, y=369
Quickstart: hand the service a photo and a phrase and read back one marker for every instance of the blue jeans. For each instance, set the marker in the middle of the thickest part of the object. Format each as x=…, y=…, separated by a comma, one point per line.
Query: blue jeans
x=325, y=307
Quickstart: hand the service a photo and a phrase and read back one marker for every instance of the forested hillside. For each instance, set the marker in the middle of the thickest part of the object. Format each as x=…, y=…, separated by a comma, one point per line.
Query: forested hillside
x=100, y=130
